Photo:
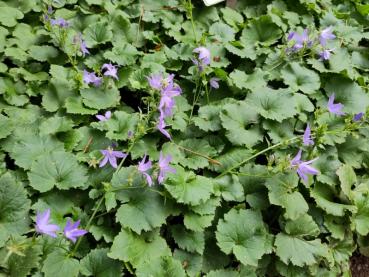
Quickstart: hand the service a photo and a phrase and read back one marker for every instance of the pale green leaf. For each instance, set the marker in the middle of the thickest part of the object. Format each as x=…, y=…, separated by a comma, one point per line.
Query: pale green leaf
x=58, y=169
x=243, y=233
x=60, y=264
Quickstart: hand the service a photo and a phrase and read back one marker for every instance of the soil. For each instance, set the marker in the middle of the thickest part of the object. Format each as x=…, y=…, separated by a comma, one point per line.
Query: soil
x=359, y=265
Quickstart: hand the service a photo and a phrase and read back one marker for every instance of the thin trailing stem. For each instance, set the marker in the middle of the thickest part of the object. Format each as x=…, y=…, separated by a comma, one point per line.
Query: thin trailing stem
x=88, y=225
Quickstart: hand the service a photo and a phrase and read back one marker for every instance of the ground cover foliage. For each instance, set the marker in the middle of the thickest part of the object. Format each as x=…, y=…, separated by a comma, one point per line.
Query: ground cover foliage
x=193, y=174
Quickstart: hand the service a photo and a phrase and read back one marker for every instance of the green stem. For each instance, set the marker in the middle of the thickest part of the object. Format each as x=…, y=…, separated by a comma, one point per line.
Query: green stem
x=7, y=257
x=276, y=146
x=88, y=225
x=192, y=21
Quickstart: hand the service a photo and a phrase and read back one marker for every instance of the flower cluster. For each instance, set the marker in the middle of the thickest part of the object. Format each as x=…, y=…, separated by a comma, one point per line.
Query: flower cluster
x=301, y=41
x=92, y=78
x=70, y=231
x=168, y=90
x=163, y=164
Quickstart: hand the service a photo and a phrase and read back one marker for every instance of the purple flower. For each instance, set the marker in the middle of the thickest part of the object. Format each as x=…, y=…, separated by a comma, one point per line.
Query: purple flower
x=303, y=168
x=334, y=108
x=111, y=70
x=203, y=58
x=155, y=81
x=325, y=35
x=358, y=117
x=43, y=226
x=83, y=48
x=214, y=83
x=144, y=166
x=111, y=156
x=161, y=125
x=89, y=78
x=72, y=232
x=61, y=22
x=204, y=55
x=307, y=136
x=164, y=167
x=50, y=9
x=104, y=117
x=299, y=40
x=166, y=101
x=325, y=54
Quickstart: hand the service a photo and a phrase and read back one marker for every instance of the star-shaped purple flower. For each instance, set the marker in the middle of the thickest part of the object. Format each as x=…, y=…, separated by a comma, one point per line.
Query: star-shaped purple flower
x=358, y=117
x=299, y=40
x=325, y=35
x=61, y=22
x=111, y=156
x=204, y=54
x=72, y=232
x=161, y=127
x=325, y=54
x=104, y=117
x=144, y=166
x=43, y=226
x=214, y=83
x=83, y=48
x=307, y=140
x=303, y=168
x=155, y=81
x=164, y=167
x=91, y=78
x=110, y=70
x=334, y=108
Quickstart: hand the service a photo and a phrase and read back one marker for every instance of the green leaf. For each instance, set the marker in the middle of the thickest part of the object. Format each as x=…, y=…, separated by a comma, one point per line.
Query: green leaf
x=360, y=220
x=74, y=105
x=230, y=188
x=9, y=16
x=162, y=266
x=347, y=178
x=196, y=222
x=272, y=104
x=302, y=226
x=283, y=191
x=53, y=98
x=354, y=102
x=58, y=169
x=231, y=16
x=208, y=118
x=21, y=265
x=240, y=122
x=261, y=30
x=221, y=32
x=190, y=262
x=298, y=251
x=188, y=240
x=189, y=158
x=223, y=273
x=14, y=207
x=123, y=55
x=188, y=188
x=100, y=98
x=55, y=125
x=253, y=82
x=5, y=126
x=120, y=123
x=137, y=249
x=98, y=264
x=325, y=199
x=97, y=33
x=59, y=264
x=43, y=53
x=30, y=147
x=301, y=78
x=243, y=233
x=144, y=211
